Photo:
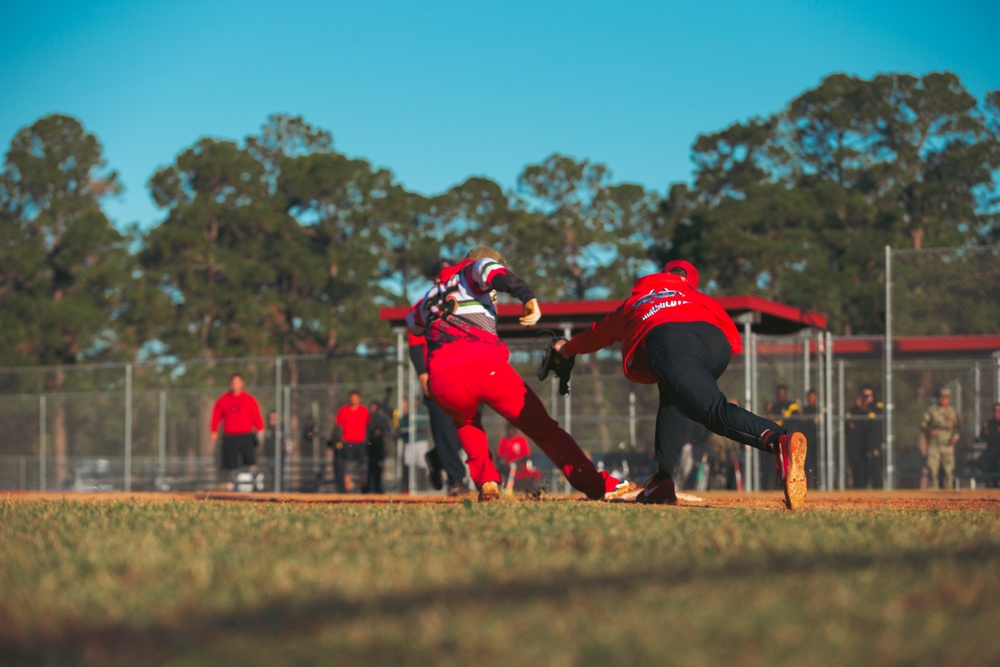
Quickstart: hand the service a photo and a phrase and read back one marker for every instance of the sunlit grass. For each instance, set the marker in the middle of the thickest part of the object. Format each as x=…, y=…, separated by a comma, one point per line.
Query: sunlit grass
x=554, y=583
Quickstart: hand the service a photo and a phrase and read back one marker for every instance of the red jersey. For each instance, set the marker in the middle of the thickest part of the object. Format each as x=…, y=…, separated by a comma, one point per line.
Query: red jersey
x=239, y=414
x=656, y=299
x=513, y=449
x=353, y=423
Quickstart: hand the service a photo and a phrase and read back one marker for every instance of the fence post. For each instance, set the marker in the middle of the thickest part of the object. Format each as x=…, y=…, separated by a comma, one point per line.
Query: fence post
x=277, y=424
x=567, y=410
x=748, y=476
x=631, y=419
x=162, y=440
x=996, y=376
x=411, y=447
x=978, y=400
x=823, y=442
x=41, y=442
x=279, y=445
x=829, y=415
x=401, y=351
x=890, y=467
x=128, y=427
x=842, y=435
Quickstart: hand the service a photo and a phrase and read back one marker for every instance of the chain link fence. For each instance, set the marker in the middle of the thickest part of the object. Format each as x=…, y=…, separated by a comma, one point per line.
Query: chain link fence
x=146, y=426
x=953, y=292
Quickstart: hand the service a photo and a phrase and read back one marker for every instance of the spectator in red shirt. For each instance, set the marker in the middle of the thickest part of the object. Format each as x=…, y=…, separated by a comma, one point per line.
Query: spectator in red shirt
x=239, y=414
x=349, y=442
x=514, y=450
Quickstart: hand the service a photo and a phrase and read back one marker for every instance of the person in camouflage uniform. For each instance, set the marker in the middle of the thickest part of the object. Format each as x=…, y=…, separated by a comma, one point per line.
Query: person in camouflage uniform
x=940, y=426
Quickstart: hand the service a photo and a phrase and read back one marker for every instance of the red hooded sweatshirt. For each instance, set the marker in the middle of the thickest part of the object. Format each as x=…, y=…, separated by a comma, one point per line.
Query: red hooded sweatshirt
x=656, y=299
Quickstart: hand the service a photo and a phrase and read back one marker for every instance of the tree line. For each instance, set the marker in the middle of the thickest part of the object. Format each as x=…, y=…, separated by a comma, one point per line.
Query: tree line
x=280, y=244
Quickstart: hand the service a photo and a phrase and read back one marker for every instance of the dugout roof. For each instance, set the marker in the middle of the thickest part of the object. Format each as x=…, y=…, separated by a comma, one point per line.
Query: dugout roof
x=765, y=316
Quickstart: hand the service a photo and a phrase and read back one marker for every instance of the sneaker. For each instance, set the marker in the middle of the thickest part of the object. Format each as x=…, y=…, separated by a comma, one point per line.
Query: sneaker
x=791, y=468
x=621, y=492
x=434, y=469
x=456, y=490
x=489, y=491
x=658, y=491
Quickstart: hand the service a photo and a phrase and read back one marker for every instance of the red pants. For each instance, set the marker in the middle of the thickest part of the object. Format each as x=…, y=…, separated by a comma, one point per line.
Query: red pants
x=460, y=388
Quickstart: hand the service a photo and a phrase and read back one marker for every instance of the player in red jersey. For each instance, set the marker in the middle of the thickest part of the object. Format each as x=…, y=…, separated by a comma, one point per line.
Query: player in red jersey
x=349, y=442
x=680, y=339
x=467, y=363
x=514, y=452
x=239, y=414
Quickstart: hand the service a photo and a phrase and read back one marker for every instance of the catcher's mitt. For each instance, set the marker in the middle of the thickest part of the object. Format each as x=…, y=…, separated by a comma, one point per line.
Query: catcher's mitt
x=558, y=364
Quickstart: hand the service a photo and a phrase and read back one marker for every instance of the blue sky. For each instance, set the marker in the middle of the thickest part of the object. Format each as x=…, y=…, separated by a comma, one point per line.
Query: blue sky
x=440, y=91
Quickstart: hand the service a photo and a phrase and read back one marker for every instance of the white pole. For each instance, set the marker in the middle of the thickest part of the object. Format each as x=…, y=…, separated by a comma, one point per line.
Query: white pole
x=567, y=401
x=823, y=400
x=41, y=443
x=828, y=426
x=978, y=400
x=163, y=437
x=748, y=476
x=631, y=419
x=414, y=413
x=805, y=366
x=128, y=427
x=278, y=426
x=890, y=467
x=842, y=435
x=279, y=442
x=401, y=352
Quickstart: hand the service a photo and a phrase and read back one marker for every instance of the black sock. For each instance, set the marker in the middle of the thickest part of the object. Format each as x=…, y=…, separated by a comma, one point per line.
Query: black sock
x=769, y=442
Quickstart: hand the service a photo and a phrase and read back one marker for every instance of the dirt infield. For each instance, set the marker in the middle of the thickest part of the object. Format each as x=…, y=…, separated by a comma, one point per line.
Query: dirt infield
x=984, y=499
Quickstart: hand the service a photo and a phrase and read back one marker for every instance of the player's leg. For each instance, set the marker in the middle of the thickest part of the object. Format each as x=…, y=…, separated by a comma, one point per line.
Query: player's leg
x=687, y=358
x=934, y=465
x=447, y=445
x=671, y=432
x=948, y=463
x=454, y=390
x=515, y=401
x=230, y=460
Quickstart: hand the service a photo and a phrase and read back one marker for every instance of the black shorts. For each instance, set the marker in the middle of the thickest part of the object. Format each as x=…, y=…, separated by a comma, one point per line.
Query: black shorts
x=239, y=450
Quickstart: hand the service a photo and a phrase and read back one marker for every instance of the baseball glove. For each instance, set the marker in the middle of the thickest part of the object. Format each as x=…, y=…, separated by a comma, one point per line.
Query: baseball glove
x=558, y=364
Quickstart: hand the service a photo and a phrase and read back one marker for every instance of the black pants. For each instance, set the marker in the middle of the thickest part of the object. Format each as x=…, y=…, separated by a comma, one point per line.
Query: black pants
x=238, y=450
x=687, y=358
x=349, y=467
x=376, y=453
x=446, y=444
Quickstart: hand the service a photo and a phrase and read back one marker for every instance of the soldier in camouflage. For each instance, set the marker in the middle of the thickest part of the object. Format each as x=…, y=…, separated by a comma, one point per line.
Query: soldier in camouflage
x=940, y=426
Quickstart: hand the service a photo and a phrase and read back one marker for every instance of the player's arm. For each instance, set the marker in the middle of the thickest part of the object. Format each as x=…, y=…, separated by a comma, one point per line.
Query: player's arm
x=415, y=321
x=601, y=334
x=216, y=420
x=258, y=418
x=488, y=274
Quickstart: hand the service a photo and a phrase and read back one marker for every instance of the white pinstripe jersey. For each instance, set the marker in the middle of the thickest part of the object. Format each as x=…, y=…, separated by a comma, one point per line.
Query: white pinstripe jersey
x=460, y=309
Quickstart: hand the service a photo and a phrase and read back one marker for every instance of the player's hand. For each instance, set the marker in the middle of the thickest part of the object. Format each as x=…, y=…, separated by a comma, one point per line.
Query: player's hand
x=424, y=385
x=558, y=347
x=532, y=313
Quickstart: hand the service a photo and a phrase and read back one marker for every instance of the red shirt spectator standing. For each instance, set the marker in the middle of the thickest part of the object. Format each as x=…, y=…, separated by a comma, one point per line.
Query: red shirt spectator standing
x=514, y=449
x=239, y=414
x=349, y=442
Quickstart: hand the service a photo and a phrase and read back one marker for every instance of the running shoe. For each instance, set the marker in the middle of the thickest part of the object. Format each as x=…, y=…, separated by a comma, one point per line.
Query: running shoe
x=621, y=492
x=659, y=491
x=488, y=492
x=791, y=468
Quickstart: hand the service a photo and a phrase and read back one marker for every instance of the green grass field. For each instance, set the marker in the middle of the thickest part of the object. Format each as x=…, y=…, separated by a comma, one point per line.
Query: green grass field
x=510, y=583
